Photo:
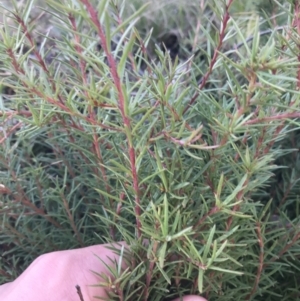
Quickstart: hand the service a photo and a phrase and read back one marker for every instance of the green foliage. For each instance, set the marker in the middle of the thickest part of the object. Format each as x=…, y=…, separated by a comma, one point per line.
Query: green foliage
x=189, y=153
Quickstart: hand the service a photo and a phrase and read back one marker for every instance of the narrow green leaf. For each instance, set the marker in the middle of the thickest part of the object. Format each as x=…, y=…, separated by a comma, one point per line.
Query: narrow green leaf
x=220, y=250
x=238, y=189
x=165, y=228
x=208, y=244
x=120, y=166
x=200, y=280
x=162, y=254
x=220, y=185
x=186, y=231
x=127, y=49
x=107, y=30
x=131, y=18
x=175, y=223
x=27, y=10
x=195, y=252
x=213, y=256
x=255, y=41
x=163, y=273
x=227, y=234
x=225, y=270
x=161, y=169
x=107, y=194
x=102, y=9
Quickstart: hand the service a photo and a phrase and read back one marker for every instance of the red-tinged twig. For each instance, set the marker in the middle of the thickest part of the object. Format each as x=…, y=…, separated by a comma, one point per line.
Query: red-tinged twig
x=121, y=105
x=10, y=131
x=52, y=100
x=261, y=261
x=4, y=273
x=283, y=116
x=71, y=219
x=96, y=147
x=22, y=198
x=189, y=143
x=213, y=211
x=40, y=191
x=204, y=79
x=60, y=156
x=286, y=247
x=286, y=194
x=296, y=24
x=78, y=289
x=14, y=62
x=37, y=54
x=149, y=273
x=10, y=115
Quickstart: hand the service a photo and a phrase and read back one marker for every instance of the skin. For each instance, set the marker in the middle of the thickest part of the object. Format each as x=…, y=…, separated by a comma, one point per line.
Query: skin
x=53, y=277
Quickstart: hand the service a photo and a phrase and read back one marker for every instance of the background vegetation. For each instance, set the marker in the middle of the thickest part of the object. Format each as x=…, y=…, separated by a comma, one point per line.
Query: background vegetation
x=171, y=122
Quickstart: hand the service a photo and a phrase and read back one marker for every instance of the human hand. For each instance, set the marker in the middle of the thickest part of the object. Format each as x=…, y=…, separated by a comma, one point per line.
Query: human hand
x=53, y=277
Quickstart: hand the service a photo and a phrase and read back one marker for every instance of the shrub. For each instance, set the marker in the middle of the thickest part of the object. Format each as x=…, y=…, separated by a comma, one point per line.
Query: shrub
x=111, y=133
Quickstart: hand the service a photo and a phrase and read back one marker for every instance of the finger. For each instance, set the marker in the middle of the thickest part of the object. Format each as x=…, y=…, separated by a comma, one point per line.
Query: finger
x=54, y=276
x=95, y=259
x=191, y=298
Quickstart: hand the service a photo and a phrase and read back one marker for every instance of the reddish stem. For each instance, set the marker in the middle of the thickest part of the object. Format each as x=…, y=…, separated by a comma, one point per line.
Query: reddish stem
x=121, y=105
x=204, y=79
x=71, y=219
x=261, y=261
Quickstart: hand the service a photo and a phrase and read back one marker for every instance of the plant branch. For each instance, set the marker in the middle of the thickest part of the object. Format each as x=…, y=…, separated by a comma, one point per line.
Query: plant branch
x=204, y=79
x=121, y=104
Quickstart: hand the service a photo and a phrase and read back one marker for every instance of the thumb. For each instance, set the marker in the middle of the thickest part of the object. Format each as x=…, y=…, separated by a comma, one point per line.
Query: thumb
x=191, y=298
